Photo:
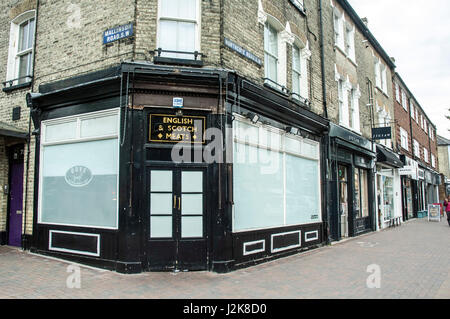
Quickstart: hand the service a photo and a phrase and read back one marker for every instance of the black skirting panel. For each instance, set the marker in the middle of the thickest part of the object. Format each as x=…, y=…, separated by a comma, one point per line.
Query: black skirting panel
x=258, y=245
x=79, y=244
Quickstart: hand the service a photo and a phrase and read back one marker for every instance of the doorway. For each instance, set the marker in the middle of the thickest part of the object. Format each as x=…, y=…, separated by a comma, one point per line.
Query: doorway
x=15, y=198
x=343, y=201
x=177, y=218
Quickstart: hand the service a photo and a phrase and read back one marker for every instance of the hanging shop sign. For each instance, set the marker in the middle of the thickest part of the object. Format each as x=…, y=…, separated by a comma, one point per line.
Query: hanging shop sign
x=118, y=33
x=166, y=128
x=236, y=48
x=434, y=213
x=382, y=133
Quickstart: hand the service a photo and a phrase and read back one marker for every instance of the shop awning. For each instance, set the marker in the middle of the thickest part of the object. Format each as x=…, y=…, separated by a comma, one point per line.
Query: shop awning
x=12, y=131
x=388, y=157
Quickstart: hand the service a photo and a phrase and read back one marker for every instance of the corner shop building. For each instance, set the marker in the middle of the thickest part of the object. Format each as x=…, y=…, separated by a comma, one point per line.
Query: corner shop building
x=115, y=188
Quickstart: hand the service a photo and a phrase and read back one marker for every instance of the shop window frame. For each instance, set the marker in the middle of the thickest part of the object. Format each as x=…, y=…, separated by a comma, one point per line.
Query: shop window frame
x=78, y=139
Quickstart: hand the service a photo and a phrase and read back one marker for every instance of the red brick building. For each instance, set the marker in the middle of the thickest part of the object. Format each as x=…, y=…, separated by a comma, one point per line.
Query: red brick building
x=416, y=143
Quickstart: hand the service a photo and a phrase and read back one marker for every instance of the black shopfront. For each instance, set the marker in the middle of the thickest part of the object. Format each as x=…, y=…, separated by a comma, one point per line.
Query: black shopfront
x=351, y=180
x=137, y=170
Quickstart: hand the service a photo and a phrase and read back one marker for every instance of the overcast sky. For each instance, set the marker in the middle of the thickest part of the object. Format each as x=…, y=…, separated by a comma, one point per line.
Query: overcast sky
x=417, y=34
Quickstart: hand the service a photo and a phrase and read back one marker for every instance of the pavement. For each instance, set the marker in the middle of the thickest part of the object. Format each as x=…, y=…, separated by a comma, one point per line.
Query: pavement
x=407, y=262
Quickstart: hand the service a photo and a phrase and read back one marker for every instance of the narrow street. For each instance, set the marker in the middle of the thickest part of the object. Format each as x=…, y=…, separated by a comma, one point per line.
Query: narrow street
x=413, y=262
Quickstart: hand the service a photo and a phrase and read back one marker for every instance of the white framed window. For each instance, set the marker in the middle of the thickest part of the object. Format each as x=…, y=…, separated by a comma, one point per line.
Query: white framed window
x=417, y=116
x=350, y=42
x=425, y=155
x=342, y=117
x=404, y=139
x=404, y=101
x=270, y=53
x=21, y=48
x=298, y=4
x=421, y=121
x=338, y=20
x=416, y=148
x=296, y=70
x=397, y=92
x=179, y=27
x=433, y=160
x=377, y=73
x=425, y=127
x=412, y=110
x=383, y=78
x=79, y=169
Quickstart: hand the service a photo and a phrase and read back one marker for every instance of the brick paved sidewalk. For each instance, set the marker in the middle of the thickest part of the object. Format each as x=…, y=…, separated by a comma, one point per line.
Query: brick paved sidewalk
x=414, y=260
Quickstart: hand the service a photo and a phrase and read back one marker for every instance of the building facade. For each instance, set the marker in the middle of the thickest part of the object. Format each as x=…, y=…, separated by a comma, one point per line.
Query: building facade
x=444, y=166
x=193, y=134
x=416, y=143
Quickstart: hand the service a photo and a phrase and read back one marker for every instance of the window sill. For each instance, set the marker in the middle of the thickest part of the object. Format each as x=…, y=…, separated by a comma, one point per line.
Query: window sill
x=299, y=7
x=276, y=87
x=382, y=91
x=175, y=61
x=16, y=87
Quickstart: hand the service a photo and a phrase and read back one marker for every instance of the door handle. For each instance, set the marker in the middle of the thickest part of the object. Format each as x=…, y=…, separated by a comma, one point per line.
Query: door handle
x=174, y=201
x=179, y=203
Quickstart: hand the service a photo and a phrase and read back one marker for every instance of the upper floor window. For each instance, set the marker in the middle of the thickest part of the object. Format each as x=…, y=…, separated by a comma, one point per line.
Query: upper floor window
x=271, y=53
x=417, y=116
x=433, y=160
x=348, y=98
x=421, y=121
x=20, y=57
x=350, y=42
x=404, y=101
x=296, y=70
x=338, y=19
x=380, y=75
x=413, y=110
x=416, y=149
x=178, y=28
x=425, y=155
x=404, y=139
x=397, y=92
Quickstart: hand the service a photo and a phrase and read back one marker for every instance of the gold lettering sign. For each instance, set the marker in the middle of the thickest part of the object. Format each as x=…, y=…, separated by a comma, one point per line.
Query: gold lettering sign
x=165, y=128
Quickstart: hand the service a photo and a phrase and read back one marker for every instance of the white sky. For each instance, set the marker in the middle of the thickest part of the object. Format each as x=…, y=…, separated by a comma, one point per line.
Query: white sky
x=417, y=34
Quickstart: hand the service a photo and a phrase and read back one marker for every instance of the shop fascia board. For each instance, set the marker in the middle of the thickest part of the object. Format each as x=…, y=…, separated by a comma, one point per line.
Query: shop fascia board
x=271, y=105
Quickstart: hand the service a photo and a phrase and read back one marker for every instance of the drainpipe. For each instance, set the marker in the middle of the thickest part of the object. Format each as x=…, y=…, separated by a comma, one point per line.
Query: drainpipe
x=322, y=58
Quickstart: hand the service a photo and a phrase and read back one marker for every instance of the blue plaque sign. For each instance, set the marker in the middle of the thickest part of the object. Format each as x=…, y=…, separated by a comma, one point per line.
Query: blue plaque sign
x=118, y=33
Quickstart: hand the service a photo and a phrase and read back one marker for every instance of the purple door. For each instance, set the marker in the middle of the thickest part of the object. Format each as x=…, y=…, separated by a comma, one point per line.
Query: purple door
x=15, y=205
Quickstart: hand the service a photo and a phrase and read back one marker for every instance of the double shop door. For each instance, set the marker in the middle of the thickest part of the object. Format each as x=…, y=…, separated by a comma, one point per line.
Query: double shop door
x=177, y=228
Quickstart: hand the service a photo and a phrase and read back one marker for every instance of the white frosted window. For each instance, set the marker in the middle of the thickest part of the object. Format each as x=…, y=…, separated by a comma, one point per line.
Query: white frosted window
x=292, y=145
x=79, y=184
x=273, y=188
x=100, y=126
x=246, y=132
x=192, y=204
x=258, y=190
x=161, y=204
x=302, y=191
x=310, y=150
x=191, y=227
x=161, y=226
x=60, y=132
x=161, y=181
x=192, y=182
x=270, y=139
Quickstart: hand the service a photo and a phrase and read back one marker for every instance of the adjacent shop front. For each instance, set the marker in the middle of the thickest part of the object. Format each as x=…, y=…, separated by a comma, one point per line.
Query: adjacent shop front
x=351, y=186
x=388, y=188
x=409, y=174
